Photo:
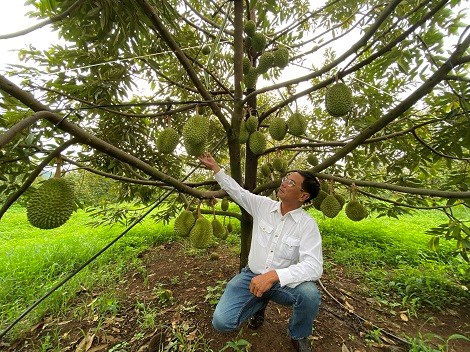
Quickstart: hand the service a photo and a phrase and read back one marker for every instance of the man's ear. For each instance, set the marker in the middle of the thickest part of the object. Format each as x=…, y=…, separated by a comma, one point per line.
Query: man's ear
x=304, y=196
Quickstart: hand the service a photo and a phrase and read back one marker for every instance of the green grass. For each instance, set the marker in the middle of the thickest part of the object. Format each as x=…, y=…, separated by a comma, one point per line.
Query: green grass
x=33, y=260
x=392, y=258
x=389, y=257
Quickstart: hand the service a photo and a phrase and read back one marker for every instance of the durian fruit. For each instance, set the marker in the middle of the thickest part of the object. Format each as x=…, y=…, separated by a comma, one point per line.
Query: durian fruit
x=224, y=204
x=265, y=62
x=167, y=140
x=317, y=201
x=184, y=223
x=201, y=233
x=229, y=227
x=281, y=57
x=355, y=210
x=195, y=149
x=195, y=133
x=52, y=204
x=246, y=65
x=330, y=206
x=201, y=109
x=297, y=124
x=258, y=42
x=338, y=99
x=312, y=159
x=250, y=78
x=249, y=28
x=340, y=199
x=278, y=128
x=280, y=165
x=206, y=50
x=218, y=229
x=266, y=170
x=257, y=143
x=196, y=129
x=324, y=186
x=251, y=123
x=244, y=134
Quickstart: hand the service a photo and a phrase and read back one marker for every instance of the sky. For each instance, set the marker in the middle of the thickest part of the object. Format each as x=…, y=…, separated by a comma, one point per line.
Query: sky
x=12, y=19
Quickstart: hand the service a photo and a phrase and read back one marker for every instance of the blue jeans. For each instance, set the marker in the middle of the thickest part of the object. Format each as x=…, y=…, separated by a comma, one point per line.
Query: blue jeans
x=238, y=304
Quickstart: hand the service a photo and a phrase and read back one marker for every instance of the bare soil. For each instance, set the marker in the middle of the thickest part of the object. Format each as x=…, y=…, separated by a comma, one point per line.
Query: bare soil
x=176, y=285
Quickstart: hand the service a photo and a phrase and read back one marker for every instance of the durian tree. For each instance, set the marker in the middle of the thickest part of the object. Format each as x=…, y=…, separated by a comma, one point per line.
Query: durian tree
x=372, y=96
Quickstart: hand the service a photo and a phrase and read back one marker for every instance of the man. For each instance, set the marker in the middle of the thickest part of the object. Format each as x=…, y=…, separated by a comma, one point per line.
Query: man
x=284, y=261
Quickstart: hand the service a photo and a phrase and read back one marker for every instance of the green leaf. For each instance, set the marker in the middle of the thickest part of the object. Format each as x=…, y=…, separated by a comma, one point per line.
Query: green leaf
x=434, y=243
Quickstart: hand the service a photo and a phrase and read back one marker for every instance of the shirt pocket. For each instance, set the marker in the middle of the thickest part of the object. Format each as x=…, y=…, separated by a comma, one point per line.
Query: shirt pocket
x=265, y=231
x=289, y=248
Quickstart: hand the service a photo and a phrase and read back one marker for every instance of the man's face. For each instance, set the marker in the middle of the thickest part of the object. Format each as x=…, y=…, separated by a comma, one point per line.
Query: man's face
x=291, y=187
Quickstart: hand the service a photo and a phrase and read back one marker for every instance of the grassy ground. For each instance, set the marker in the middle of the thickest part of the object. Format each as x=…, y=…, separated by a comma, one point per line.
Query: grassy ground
x=391, y=256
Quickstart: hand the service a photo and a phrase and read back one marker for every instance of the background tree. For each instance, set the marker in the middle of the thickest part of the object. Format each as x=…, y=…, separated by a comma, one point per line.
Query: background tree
x=132, y=69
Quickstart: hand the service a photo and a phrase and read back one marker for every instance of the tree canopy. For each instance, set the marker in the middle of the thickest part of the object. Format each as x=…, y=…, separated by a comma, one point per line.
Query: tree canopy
x=131, y=69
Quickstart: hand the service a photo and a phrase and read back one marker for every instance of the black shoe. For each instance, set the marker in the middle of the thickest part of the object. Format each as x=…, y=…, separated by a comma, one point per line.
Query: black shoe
x=302, y=345
x=256, y=320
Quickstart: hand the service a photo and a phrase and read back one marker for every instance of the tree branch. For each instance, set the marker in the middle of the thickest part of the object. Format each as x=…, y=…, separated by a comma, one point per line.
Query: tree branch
x=51, y=20
x=150, y=12
x=97, y=143
x=395, y=188
x=398, y=110
x=35, y=173
x=420, y=140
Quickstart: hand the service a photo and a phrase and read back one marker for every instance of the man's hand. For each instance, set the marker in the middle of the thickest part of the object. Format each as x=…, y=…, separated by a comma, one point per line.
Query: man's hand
x=262, y=283
x=207, y=160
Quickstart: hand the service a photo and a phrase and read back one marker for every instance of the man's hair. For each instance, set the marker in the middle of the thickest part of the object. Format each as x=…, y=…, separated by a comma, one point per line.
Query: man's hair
x=310, y=184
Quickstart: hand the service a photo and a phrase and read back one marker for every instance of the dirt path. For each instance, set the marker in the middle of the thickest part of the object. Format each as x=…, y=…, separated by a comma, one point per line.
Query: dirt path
x=179, y=287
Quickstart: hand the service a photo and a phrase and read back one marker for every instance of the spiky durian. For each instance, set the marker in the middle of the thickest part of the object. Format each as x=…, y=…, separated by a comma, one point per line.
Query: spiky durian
x=251, y=123
x=338, y=99
x=196, y=130
x=184, y=223
x=257, y=142
x=330, y=206
x=244, y=134
x=278, y=128
x=281, y=57
x=312, y=159
x=340, y=199
x=249, y=28
x=218, y=229
x=280, y=165
x=355, y=210
x=250, y=78
x=297, y=124
x=258, y=42
x=52, y=204
x=206, y=50
x=265, y=62
x=246, y=65
x=167, y=140
x=201, y=233
x=266, y=170
x=316, y=202
x=224, y=204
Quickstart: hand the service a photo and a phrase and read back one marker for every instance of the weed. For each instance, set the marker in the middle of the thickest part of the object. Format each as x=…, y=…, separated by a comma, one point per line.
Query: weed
x=215, y=292
x=147, y=318
x=426, y=343
x=238, y=345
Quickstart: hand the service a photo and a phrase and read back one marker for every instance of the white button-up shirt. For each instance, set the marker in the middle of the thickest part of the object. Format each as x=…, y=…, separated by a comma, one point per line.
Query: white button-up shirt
x=289, y=244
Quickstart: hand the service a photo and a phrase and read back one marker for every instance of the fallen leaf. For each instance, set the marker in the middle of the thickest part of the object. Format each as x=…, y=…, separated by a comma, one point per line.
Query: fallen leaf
x=85, y=344
x=344, y=348
x=403, y=317
x=98, y=348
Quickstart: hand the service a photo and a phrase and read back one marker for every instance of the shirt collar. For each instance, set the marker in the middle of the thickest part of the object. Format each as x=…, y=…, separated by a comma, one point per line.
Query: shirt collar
x=295, y=214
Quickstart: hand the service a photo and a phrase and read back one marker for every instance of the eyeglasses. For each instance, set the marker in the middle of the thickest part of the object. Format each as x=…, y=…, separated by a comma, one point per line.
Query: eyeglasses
x=290, y=182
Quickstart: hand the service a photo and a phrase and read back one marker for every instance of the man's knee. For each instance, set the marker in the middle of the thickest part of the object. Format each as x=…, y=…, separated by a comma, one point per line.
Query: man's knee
x=221, y=324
